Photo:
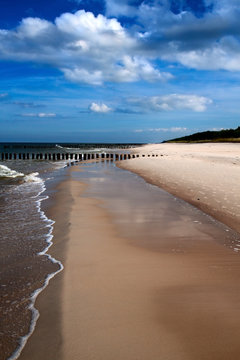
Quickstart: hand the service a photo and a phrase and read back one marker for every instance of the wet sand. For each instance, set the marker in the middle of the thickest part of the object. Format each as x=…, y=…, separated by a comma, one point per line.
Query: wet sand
x=125, y=295
x=46, y=340
x=205, y=175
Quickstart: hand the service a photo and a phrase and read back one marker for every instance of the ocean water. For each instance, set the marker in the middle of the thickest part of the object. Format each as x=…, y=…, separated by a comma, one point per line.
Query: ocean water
x=150, y=217
x=26, y=234
x=61, y=147
x=25, y=237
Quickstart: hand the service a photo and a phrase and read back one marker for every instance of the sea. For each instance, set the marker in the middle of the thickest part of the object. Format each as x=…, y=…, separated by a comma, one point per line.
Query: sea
x=26, y=235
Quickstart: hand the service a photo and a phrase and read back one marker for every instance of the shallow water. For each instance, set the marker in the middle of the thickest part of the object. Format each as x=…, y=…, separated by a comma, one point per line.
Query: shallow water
x=150, y=217
x=25, y=236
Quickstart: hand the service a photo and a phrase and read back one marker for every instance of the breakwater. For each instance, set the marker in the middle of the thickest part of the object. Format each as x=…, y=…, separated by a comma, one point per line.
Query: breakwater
x=71, y=156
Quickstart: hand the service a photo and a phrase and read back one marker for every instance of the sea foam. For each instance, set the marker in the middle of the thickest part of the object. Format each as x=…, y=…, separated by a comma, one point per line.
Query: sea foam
x=34, y=178
x=5, y=172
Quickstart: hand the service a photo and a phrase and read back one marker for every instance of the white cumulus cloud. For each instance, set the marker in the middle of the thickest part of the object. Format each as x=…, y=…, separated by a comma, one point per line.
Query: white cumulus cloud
x=209, y=42
x=171, y=129
x=99, y=108
x=86, y=48
x=39, y=115
x=97, y=49
x=172, y=102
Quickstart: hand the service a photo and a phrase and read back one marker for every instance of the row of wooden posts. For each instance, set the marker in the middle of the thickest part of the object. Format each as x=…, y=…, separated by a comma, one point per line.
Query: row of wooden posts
x=69, y=156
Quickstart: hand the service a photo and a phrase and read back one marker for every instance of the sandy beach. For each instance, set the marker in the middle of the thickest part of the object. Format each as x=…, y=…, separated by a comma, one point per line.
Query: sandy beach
x=123, y=296
x=120, y=180
x=205, y=175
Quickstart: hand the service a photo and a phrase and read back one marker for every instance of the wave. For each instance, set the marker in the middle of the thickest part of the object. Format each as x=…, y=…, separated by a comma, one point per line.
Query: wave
x=59, y=146
x=60, y=164
x=33, y=177
x=5, y=172
x=81, y=148
x=68, y=149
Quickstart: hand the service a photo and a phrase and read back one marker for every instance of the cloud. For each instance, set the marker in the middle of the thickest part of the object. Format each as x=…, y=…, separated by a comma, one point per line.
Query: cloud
x=206, y=42
x=3, y=96
x=171, y=129
x=128, y=69
x=99, y=108
x=224, y=55
x=127, y=110
x=134, y=68
x=172, y=102
x=27, y=104
x=130, y=8
x=121, y=8
x=80, y=75
x=39, y=115
x=98, y=49
x=86, y=48
x=210, y=42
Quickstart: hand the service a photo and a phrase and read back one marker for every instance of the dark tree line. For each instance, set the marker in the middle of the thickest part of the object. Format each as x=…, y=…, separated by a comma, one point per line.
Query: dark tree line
x=211, y=135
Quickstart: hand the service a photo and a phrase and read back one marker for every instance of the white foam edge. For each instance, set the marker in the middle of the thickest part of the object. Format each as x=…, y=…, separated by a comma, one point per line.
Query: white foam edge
x=32, y=177
x=9, y=173
x=61, y=164
x=35, y=313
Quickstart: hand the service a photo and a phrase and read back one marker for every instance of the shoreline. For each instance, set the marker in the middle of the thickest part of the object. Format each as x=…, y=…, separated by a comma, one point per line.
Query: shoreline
x=204, y=175
x=34, y=296
x=116, y=299
x=47, y=302
x=112, y=320
x=26, y=265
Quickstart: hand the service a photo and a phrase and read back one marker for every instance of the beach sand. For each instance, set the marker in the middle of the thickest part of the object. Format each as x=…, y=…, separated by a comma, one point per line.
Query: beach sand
x=117, y=299
x=205, y=175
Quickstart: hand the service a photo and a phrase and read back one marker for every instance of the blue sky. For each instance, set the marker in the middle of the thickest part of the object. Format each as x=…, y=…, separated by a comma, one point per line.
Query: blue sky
x=117, y=71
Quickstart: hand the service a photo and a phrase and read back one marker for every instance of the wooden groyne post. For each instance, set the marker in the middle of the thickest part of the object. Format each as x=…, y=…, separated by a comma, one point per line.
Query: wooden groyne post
x=71, y=156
